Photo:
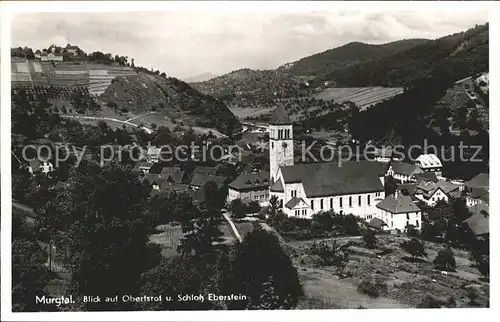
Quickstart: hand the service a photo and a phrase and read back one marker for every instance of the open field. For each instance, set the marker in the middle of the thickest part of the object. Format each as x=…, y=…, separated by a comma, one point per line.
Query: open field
x=363, y=97
x=242, y=112
x=407, y=281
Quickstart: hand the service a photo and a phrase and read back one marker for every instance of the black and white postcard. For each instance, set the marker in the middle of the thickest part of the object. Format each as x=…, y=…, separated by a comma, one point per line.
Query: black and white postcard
x=194, y=160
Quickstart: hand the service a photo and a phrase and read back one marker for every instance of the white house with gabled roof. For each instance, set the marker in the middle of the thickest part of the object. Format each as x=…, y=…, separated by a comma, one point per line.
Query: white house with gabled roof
x=430, y=163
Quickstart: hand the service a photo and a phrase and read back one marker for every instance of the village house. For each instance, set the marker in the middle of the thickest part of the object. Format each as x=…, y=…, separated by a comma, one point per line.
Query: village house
x=153, y=154
x=167, y=182
x=425, y=177
x=430, y=163
x=403, y=172
x=144, y=167
x=199, y=180
x=431, y=193
x=477, y=190
x=478, y=223
x=384, y=155
x=251, y=186
x=398, y=211
x=35, y=166
x=71, y=49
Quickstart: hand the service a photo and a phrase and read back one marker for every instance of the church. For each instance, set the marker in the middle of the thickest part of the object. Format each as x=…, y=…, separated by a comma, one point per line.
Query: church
x=354, y=187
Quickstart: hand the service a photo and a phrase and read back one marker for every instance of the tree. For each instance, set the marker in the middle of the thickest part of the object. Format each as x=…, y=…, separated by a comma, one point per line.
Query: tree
x=108, y=240
x=202, y=228
x=414, y=247
x=273, y=206
x=483, y=264
x=473, y=295
x=29, y=276
x=274, y=285
x=237, y=208
x=411, y=231
x=390, y=185
x=174, y=277
x=331, y=253
x=445, y=260
x=370, y=239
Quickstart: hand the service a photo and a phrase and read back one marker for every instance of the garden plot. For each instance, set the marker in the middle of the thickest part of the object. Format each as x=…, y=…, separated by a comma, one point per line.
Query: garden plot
x=408, y=282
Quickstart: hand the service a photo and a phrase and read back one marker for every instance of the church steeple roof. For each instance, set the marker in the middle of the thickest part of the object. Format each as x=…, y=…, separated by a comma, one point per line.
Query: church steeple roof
x=280, y=116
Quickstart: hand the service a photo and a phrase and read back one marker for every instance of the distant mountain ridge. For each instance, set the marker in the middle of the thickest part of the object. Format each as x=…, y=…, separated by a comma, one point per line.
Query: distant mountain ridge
x=356, y=64
x=201, y=77
x=248, y=87
x=351, y=53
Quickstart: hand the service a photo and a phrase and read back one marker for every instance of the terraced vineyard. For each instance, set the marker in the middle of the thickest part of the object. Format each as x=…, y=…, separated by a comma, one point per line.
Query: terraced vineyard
x=95, y=77
x=363, y=97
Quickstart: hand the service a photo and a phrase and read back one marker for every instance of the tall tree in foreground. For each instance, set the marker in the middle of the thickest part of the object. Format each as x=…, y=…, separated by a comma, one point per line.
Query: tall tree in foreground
x=29, y=276
x=202, y=228
x=264, y=273
x=108, y=240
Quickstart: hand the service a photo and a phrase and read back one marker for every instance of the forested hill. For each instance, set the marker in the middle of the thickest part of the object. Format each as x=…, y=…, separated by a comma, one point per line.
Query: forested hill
x=449, y=58
x=128, y=88
x=251, y=88
x=349, y=54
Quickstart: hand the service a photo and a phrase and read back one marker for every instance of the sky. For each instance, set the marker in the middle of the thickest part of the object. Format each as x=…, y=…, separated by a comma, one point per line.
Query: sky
x=186, y=44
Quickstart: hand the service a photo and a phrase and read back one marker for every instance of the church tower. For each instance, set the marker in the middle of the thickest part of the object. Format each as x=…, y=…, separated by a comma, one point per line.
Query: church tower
x=280, y=141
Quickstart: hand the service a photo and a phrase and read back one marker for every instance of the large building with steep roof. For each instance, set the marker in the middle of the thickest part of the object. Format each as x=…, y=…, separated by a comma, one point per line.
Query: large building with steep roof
x=305, y=189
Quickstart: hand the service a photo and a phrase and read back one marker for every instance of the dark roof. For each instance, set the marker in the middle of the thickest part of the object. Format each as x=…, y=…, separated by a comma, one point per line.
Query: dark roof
x=205, y=170
x=199, y=180
x=294, y=202
x=408, y=186
x=479, y=221
x=160, y=179
x=277, y=186
x=398, y=205
x=404, y=168
x=479, y=181
x=280, y=116
x=382, y=152
x=169, y=170
x=479, y=193
x=426, y=176
x=428, y=189
x=330, y=179
x=168, y=188
x=256, y=180
x=377, y=223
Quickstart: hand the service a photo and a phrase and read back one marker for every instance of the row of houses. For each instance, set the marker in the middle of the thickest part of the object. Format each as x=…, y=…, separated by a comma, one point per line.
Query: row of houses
x=355, y=187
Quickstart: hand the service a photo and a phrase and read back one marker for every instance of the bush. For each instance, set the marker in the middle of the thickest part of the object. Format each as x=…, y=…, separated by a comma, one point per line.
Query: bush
x=430, y=302
x=370, y=239
x=331, y=253
x=411, y=231
x=445, y=260
x=473, y=295
x=372, y=288
x=414, y=247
